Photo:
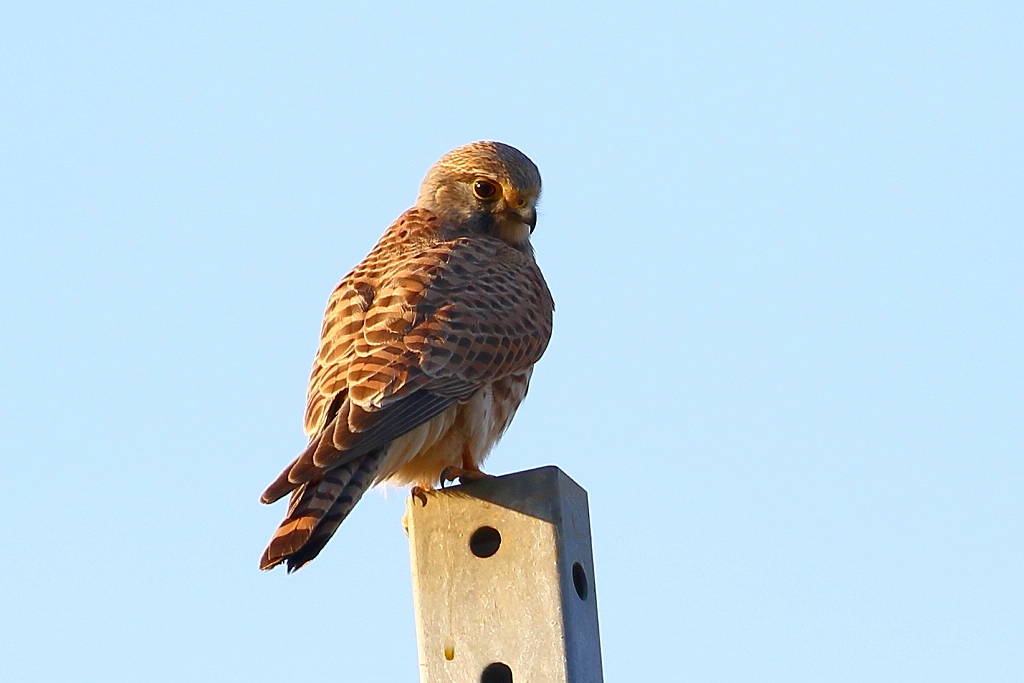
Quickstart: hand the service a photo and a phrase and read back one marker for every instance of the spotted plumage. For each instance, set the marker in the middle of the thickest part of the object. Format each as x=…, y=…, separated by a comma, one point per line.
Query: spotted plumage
x=427, y=347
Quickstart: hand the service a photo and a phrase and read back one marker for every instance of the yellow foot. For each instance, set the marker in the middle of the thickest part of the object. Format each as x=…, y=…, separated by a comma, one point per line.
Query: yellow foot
x=464, y=475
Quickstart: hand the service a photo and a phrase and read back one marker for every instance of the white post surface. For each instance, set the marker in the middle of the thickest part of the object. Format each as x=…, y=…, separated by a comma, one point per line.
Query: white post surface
x=503, y=581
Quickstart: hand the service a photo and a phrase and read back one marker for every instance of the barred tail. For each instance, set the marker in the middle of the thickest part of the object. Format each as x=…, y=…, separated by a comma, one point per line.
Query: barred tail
x=317, y=509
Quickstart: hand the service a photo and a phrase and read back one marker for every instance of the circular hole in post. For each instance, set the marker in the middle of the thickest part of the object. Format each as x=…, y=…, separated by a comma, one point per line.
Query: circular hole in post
x=579, y=580
x=485, y=541
x=496, y=673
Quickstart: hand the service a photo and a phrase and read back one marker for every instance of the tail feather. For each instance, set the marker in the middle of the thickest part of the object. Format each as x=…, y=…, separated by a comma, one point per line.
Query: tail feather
x=316, y=510
x=362, y=479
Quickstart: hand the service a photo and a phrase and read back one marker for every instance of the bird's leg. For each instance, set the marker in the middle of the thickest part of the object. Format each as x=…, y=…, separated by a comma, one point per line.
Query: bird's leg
x=451, y=473
x=467, y=473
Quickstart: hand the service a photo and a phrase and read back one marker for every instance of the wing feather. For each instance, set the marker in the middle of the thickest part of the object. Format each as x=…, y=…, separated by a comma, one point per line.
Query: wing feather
x=424, y=321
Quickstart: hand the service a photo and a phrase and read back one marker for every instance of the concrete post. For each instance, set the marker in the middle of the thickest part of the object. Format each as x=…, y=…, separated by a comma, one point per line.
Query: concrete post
x=503, y=581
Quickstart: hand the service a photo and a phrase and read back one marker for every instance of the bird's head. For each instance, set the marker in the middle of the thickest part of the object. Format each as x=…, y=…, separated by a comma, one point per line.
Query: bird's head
x=490, y=187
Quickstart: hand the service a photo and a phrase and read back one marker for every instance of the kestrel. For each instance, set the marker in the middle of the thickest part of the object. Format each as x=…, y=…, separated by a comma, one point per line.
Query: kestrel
x=426, y=349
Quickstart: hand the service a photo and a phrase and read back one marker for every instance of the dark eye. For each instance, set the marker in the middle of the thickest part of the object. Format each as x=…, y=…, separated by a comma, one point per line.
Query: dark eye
x=485, y=189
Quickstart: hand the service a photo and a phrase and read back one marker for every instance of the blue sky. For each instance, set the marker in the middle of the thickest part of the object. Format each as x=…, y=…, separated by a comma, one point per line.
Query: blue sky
x=786, y=247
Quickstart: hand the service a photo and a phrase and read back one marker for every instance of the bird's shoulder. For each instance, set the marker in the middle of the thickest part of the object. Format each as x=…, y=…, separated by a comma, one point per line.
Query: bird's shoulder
x=423, y=276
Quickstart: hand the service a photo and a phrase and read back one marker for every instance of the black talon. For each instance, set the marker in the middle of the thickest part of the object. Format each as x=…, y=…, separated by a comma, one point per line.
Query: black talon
x=420, y=494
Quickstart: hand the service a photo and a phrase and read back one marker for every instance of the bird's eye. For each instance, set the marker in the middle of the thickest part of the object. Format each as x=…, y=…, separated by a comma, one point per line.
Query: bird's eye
x=485, y=189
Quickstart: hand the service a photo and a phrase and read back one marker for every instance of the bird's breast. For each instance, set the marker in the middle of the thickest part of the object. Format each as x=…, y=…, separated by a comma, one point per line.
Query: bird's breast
x=465, y=430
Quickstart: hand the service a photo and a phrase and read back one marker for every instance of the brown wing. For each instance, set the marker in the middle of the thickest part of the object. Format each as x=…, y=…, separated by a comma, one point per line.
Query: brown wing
x=421, y=323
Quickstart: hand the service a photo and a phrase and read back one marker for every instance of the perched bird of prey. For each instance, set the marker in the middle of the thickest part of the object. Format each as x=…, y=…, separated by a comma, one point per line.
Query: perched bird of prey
x=426, y=350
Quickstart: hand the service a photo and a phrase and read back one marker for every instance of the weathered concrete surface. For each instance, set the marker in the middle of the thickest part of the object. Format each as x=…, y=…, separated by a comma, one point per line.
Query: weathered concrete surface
x=531, y=605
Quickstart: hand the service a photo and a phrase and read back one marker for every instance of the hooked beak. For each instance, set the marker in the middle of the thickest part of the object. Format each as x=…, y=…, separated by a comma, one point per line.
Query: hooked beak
x=529, y=217
x=526, y=215
x=516, y=225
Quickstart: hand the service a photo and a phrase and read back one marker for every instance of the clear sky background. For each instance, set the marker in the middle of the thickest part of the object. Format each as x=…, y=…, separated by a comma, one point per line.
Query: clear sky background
x=787, y=247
